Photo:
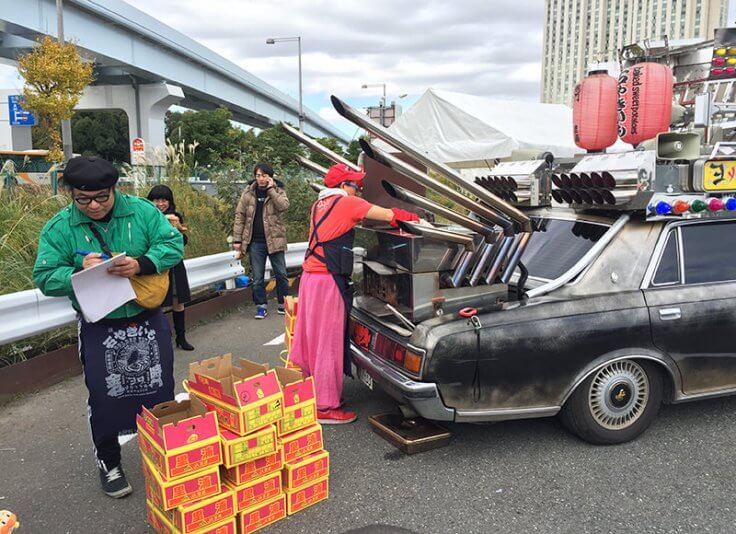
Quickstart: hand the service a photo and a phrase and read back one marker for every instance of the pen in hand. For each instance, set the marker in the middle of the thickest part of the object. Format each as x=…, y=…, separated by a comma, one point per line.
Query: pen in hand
x=86, y=252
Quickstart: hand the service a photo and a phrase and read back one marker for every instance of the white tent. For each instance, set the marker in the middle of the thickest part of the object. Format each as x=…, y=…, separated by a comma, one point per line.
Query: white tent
x=467, y=131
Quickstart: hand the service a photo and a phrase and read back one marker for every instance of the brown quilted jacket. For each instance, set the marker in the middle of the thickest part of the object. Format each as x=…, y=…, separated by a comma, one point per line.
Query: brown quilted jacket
x=274, y=207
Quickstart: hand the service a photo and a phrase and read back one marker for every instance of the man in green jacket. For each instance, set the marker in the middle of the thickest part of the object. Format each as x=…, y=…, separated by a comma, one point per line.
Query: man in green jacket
x=127, y=357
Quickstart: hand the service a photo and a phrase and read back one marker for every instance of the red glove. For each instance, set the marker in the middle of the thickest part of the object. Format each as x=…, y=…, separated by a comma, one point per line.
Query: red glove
x=403, y=215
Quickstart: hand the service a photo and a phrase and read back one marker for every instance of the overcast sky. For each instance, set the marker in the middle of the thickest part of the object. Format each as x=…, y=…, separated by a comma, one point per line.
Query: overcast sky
x=482, y=47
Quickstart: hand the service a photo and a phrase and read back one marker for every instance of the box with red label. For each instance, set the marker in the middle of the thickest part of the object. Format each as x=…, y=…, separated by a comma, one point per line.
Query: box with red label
x=262, y=515
x=194, y=517
x=291, y=305
x=256, y=491
x=163, y=525
x=305, y=471
x=302, y=442
x=307, y=496
x=245, y=397
x=253, y=469
x=239, y=449
x=300, y=401
x=170, y=494
x=179, y=438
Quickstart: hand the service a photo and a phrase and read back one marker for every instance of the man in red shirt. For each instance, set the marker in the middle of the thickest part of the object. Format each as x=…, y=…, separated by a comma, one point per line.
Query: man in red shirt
x=321, y=343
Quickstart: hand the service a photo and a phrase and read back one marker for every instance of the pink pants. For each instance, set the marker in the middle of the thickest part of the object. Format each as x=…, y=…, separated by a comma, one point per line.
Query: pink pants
x=317, y=346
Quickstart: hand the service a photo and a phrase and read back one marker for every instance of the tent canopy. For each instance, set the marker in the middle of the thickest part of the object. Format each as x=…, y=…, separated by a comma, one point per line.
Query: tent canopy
x=467, y=131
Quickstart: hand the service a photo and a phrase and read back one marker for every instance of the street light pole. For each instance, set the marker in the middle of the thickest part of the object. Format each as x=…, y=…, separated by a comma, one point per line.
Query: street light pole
x=298, y=39
x=383, y=100
x=66, y=125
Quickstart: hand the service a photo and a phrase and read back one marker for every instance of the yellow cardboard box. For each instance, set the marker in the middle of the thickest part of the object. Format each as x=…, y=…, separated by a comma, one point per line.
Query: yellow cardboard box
x=170, y=494
x=307, y=496
x=300, y=401
x=246, y=397
x=302, y=442
x=162, y=524
x=239, y=449
x=253, y=469
x=307, y=470
x=179, y=438
x=262, y=514
x=256, y=491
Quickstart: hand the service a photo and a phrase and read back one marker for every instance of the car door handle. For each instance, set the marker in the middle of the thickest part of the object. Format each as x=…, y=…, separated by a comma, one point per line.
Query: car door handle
x=670, y=314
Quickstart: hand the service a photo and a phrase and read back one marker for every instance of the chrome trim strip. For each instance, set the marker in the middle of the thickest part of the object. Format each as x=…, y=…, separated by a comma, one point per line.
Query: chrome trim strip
x=583, y=262
x=503, y=414
x=424, y=397
x=683, y=397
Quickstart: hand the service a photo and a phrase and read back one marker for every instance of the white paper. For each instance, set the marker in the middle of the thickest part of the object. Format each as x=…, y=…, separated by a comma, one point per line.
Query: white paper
x=99, y=292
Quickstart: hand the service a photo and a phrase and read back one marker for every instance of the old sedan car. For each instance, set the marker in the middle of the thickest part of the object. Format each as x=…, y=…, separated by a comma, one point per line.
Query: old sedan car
x=648, y=319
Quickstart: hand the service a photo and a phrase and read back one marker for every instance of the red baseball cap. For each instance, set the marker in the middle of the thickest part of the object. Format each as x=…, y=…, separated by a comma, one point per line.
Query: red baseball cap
x=340, y=173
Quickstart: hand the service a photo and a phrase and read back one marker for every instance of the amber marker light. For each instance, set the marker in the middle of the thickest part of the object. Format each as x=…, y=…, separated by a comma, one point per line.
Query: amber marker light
x=413, y=362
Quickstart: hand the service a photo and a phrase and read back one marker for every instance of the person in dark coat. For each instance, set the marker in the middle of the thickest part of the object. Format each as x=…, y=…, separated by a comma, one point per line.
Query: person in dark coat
x=179, y=294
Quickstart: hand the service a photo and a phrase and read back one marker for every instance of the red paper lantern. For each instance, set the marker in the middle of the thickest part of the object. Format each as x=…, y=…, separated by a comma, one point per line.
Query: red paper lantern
x=644, y=102
x=594, y=111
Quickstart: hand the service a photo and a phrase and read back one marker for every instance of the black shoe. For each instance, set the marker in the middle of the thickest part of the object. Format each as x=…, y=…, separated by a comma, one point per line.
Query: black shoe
x=183, y=344
x=280, y=309
x=114, y=483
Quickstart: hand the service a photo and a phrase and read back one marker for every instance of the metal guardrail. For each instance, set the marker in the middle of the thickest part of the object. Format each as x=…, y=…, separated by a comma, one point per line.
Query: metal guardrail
x=29, y=313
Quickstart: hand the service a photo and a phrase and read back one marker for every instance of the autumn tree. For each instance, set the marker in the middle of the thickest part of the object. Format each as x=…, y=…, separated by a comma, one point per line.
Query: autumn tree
x=55, y=77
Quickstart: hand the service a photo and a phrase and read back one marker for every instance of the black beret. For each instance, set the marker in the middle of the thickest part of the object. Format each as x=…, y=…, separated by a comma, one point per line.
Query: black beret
x=90, y=173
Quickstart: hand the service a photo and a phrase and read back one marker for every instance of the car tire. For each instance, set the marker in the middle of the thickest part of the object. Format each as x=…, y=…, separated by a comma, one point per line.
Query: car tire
x=616, y=403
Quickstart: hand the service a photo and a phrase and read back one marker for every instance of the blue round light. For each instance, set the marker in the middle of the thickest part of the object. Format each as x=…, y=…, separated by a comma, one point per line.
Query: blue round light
x=663, y=208
x=731, y=204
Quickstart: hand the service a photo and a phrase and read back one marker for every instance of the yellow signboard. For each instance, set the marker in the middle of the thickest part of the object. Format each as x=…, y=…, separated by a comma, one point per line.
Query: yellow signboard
x=719, y=175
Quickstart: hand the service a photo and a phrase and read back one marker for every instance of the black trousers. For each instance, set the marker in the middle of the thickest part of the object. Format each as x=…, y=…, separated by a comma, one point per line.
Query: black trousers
x=127, y=363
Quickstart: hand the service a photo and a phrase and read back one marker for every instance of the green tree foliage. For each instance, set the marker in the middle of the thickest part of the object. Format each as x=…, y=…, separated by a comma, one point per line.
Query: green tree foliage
x=101, y=133
x=353, y=151
x=276, y=147
x=213, y=132
x=328, y=142
x=55, y=77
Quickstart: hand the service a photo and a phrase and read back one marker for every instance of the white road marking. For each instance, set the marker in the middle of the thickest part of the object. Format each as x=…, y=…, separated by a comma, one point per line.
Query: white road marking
x=279, y=340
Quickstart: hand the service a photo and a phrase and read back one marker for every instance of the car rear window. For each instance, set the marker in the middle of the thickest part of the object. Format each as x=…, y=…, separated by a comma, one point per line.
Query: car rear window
x=557, y=244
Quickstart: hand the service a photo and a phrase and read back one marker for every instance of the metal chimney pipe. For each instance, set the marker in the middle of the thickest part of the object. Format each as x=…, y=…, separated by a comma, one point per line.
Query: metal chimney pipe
x=379, y=131
x=459, y=275
x=314, y=145
x=498, y=260
x=312, y=166
x=421, y=178
x=412, y=198
x=515, y=257
x=437, y=233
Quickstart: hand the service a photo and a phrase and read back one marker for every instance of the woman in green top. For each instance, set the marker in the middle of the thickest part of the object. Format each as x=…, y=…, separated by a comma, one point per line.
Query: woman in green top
x=127, y=357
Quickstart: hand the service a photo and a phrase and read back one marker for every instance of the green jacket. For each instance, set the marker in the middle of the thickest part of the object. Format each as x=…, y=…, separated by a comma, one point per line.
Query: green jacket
x=137, y=228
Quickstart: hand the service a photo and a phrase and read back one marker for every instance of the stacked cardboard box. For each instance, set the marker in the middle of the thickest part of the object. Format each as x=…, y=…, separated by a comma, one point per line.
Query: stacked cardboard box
x=181, y=457
x=248, y=400
x=291, y=305
x=306, y=463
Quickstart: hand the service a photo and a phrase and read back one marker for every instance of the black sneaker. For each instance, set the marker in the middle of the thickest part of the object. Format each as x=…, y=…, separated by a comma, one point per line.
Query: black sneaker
x=114, y=483
x=280, y=309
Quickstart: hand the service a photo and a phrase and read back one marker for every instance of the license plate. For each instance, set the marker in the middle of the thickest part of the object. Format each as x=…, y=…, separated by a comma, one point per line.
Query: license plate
x=365, y=378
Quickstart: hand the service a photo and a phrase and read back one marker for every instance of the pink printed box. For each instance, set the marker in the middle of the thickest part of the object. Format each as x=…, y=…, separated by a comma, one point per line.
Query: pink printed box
x=300, y=402
x=192, y=517
x=246, y=397
x=307, y=470
x=260, y=467
x=170, y=494
x=240, y=449
x=262, y=515
x=162, y=524
x=179, y=438
x=306, y=496
x=256, y=491
x=302, y=442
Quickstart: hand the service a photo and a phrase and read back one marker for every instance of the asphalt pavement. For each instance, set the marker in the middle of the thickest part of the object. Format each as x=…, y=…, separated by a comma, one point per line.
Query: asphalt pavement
x=520, y=476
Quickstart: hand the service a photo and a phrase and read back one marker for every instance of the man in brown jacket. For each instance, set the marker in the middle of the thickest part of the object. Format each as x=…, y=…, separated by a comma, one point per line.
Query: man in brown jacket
x=259, y=227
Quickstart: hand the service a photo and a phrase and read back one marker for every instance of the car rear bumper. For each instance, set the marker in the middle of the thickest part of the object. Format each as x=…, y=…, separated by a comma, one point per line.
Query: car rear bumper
x=423, y=397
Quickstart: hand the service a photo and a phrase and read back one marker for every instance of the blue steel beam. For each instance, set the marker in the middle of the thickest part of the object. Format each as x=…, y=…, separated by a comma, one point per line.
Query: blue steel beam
x=116, y=34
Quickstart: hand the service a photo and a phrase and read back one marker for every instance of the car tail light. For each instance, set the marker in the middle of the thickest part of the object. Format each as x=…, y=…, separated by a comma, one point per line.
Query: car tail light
x=413, y=362
x=389, y=350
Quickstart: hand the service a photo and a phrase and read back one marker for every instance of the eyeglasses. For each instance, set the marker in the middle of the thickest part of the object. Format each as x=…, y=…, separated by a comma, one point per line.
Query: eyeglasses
x=353, y=185
x=100, y=199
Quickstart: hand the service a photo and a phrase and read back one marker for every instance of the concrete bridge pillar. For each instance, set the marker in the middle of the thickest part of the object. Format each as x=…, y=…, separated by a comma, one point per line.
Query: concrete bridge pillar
x=145, y=105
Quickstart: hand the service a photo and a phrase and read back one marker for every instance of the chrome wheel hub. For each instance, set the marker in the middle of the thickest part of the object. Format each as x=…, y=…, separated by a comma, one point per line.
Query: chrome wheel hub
x=618, y=395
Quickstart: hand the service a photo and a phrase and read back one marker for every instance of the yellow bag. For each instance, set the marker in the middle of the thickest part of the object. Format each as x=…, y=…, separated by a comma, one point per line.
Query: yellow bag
x=150, y=289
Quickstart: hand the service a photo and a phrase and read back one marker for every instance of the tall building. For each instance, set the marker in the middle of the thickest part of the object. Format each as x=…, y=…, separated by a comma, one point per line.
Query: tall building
x=579, y=32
